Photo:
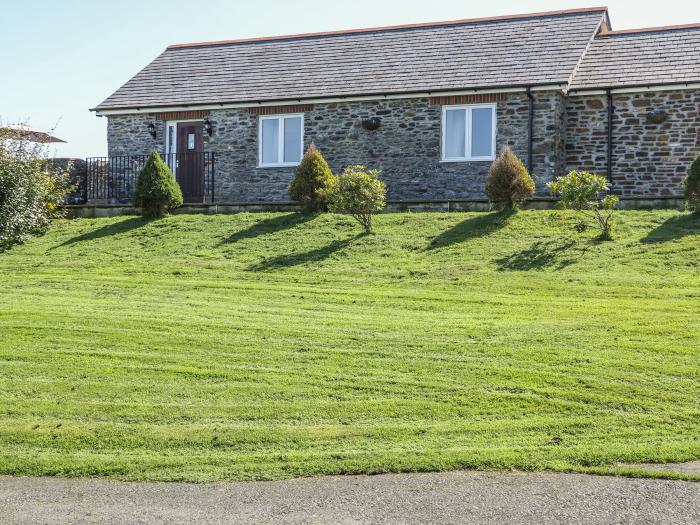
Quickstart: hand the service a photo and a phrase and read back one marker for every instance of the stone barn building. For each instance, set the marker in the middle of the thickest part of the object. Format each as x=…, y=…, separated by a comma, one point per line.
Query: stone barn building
x=430, y=105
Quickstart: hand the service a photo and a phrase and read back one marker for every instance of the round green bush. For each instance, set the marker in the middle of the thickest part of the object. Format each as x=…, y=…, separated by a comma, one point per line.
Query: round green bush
x=312, y=177
x=358, y=192
x=508, y=183
x=582, y=191
x=157, y=192
x=691, y=186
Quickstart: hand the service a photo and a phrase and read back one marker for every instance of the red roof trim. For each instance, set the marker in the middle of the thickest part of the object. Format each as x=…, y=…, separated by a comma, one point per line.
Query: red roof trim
x=648, y=30
x=183, y=115
x=397, y=27
x=469, y=99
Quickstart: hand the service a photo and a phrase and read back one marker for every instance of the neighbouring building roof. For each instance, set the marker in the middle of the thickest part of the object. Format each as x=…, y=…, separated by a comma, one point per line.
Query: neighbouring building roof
x=30, y=135
x=522, y=50
x=641, y=57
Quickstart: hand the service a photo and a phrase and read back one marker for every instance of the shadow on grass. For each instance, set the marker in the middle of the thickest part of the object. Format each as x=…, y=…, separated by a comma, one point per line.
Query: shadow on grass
x=272, y=225
x=295, y=259
x=541, y=255
x=674, y=228
x=109, y=230
x=483, y=224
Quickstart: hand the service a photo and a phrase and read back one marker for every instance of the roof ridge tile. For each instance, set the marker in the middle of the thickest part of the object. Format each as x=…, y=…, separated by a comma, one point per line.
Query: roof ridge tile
x=424, y=25
x=656, y=29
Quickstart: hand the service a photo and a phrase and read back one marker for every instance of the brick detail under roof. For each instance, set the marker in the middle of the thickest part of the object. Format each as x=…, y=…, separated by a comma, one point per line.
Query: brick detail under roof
x=182, y=115
x=280, y=110
x=483, y=98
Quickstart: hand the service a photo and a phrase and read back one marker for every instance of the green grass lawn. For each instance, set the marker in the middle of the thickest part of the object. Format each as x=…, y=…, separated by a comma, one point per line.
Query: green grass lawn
x=260, y=346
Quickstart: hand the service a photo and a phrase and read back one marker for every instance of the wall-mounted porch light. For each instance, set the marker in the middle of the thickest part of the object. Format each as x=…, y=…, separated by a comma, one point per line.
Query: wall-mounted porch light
x=208, y=129
x=152, y=129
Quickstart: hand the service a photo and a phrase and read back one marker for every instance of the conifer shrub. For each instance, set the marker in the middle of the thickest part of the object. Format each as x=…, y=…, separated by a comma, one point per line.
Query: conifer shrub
x=357, y=192
x=691, y=186
x=157, y=192
x=312, y=177
x=508, y=183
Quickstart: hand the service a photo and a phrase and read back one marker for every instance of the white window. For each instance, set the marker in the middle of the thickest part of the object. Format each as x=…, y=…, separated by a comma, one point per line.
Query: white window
x=281, y=140
x=468, y=133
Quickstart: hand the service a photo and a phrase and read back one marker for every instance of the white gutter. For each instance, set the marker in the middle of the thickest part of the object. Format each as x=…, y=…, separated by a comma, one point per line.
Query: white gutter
x=328, y=100
x=645, y=89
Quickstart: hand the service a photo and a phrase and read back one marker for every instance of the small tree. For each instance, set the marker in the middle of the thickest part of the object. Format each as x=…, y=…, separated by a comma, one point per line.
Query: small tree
x=581, y=191
x=508, y=183
x=691, y=186
x=32, y=187
x=357, y=192
x=312, y=176
x=157, y=192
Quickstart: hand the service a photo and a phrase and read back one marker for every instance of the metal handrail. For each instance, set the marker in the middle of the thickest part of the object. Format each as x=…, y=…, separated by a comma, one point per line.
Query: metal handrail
x=113, y=179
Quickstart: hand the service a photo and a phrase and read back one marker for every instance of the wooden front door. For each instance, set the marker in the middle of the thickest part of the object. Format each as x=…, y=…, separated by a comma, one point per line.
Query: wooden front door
x=189, y=172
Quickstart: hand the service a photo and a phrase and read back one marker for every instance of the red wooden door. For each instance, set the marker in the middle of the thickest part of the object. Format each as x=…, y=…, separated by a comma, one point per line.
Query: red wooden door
x=189, y=172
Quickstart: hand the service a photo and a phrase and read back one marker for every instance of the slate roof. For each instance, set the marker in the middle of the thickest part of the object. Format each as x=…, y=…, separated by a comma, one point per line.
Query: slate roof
x=642, y=57
x=522, y=50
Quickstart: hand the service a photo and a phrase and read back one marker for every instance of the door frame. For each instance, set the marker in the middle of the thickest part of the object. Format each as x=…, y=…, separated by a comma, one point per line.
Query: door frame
x=171, y=147
x=171, y=140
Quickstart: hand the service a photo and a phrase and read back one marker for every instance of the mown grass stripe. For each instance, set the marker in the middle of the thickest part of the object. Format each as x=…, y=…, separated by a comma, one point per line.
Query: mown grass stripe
x=162, y=350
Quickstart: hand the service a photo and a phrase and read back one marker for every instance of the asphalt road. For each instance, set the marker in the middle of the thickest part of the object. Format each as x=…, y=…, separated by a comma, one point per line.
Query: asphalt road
x=456, y=497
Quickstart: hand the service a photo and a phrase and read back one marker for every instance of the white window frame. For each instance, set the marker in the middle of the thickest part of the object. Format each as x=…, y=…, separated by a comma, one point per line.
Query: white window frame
x=468, y=135
x=280, y=144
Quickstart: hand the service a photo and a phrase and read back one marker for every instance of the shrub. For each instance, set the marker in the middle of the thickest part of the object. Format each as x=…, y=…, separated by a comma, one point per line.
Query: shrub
x=691, y=186
x=581, y=191
x=157, y=192
x=357, y=192
x=32, y=187
x=312, y=177
x=508, y=183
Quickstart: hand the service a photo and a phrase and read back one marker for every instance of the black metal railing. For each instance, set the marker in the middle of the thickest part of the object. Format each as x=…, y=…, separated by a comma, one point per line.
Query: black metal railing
x=113, y=179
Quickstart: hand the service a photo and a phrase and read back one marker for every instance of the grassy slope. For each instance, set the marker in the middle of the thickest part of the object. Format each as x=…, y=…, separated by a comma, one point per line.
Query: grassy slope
x=259, y=346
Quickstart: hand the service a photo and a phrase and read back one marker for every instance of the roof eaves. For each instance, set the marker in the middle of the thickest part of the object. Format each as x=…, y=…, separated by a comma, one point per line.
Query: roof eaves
x=349, y=97
x=639, y=86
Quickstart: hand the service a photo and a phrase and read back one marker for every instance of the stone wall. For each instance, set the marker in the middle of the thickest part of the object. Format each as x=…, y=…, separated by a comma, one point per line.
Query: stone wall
x=406, y=146
x=549, y=138
x=587, y=134
x=77, y=177
x=656, y=135
x=128, y=135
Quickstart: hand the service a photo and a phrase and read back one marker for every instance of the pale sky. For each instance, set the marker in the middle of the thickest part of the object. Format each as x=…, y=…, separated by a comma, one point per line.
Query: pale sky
x=61, y=57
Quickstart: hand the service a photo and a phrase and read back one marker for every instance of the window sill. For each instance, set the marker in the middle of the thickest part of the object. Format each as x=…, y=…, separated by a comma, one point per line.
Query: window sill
x=476, y=159
x=287, y=165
